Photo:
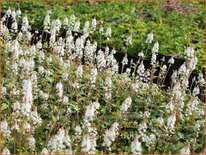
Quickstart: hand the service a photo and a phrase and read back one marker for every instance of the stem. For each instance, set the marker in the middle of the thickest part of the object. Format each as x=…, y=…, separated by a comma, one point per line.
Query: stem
x=147, y=49
x=166, y=75
x=152, y=74
x=53, y=126
x=122, y=68
x=42, y=36
x=177, y=115
x=130, y=67
x=100, y=39
x=205, y=116
x=32, y=43
x=159, y=73
x=135, y=68
x=191, y=85
x=47, y=40
x=7, y=21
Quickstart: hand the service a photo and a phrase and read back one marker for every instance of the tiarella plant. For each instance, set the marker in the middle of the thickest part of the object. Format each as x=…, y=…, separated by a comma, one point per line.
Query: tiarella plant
x=70, y=96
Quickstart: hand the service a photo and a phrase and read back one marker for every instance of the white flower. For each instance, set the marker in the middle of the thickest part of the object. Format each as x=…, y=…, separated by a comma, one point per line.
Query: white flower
x=35, y=118
x=192, y=105
x=177, y=90
x=108, y=87
x=150, y=37
x=44, y=151
x=65, y=76
x=75, y=84
x=201, y=80
x=60, y=89
x=96, y=105
x=125, y=60
x=170, y=106
x=65, y=21
x=160, y=120
x=41, y=70
x=198, y=125
x=94, y=24
x=101, y=61
x=14, y=26
x=31, y=142
x=141, y=71
x=25, y=24
x=128, y=72
x=78, y=130
x=77, y=26
x=86, y=27
x=154, y=59
x=41, y=56
x=101, y=29
x=126, y=104
x=8, y=12
x=149, y=140
x=27, y=92
x=79, y=71
x=65, y=100
x=52, y=35
x=171, y=60
x=136, y=146
x=5, y=128
x=57, y=24
x=5, y=151
x=182, y=70
x=146, y=114
x=171, y=122
x=70, y=42
x=18, y=12
x=59, y=142
x=189, y=52
x=155, y=48
x=142, y=127
x=93, y=75
x=196, y=91
x=72, y=20
x=67, y=143
x=91, y=111
x=110, y=134
x=88, y=144
x=192, y=63
x=3, y=19
x=13, y=15
x=16, y=106
x=108, y=32
x=26, y=127
x=47, y=22
x=45, y=96
x=129, y=40
x=5, y=32
x=79, y=45
x=3, y=90
x=39, y=45
x=141, y=54
x=185, y=149
x=14, y=68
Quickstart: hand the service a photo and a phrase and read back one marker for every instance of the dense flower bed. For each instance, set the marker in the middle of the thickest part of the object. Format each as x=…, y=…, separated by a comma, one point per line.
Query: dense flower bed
x=52, y=102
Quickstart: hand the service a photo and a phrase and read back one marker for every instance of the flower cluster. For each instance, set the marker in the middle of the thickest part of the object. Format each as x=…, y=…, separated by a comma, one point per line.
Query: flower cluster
x=70, y=96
